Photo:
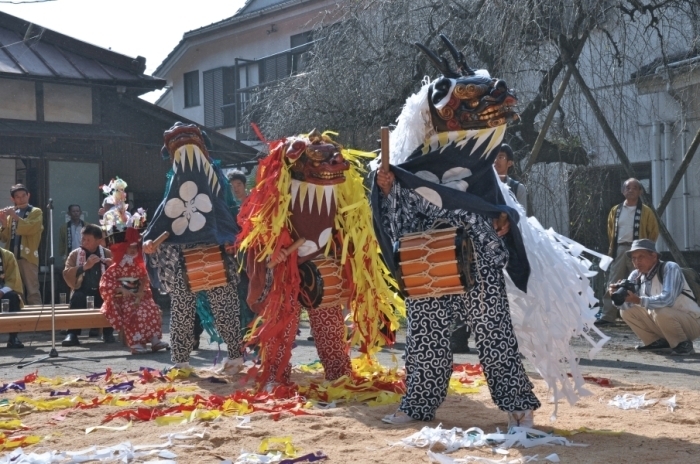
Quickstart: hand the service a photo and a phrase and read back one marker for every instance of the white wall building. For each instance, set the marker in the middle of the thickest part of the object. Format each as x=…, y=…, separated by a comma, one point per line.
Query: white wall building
x=214, y=70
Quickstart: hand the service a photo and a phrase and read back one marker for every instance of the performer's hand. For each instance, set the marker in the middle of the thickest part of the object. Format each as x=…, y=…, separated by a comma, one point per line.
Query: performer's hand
x=11, y=212
x=501, y=224
x=148, y=247
x=280, y=257
x=91, y=261
x=108, y=262
x=385, y=179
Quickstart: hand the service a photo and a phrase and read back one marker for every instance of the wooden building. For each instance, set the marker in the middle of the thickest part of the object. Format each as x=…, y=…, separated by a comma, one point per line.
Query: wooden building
x=71, y=119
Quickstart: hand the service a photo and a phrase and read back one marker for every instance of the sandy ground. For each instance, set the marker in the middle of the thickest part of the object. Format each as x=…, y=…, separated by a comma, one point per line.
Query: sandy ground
x=353, y=433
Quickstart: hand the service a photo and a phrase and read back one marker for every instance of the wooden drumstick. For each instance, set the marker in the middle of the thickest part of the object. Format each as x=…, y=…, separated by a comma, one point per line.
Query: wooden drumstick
x=385, y=149
x=293, y=247
x=161, y=238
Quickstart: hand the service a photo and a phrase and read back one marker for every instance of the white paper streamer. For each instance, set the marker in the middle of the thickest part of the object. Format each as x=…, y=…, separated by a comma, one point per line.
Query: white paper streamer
x=558, y=305
x=630, y=401
x=443, y=459
x=243, y=422
x=456, y=438
x=670, y=403
x=124, y=452
x=254, y=458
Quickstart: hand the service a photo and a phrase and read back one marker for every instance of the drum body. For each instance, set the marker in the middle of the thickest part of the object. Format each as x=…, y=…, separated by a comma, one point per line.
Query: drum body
x=205, y=268
x=322, y=283
x=435, y=263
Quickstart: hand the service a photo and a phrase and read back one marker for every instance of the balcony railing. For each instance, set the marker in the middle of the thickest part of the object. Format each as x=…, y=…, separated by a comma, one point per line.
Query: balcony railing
x=271, y=69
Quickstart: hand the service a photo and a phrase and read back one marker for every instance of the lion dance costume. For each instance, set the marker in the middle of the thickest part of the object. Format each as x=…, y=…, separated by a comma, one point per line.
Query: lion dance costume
x=442, y=155
x=196, y=214
x=309, y=189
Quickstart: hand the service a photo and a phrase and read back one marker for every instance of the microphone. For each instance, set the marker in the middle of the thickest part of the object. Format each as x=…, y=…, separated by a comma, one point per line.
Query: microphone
x=50, y=205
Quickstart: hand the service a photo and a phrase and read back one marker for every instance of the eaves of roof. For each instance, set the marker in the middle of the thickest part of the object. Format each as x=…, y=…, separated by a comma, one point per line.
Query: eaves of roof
x=237, y=19
x=226, y=149
x=29, y=51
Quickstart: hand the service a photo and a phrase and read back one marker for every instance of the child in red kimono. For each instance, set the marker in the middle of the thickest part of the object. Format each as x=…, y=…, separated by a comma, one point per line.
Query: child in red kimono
x=128, y=301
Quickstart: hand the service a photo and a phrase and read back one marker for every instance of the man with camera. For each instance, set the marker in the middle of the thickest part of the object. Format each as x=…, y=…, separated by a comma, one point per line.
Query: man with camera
x=630, y=220
x=657, y=303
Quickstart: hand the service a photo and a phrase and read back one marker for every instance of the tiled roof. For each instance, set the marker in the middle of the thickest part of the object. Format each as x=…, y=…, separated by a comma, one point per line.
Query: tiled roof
x=31, y=51
x=247, y=11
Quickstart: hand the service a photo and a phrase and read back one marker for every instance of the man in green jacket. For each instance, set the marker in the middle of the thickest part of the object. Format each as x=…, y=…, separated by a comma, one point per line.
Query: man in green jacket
x=20, y=230
x=629, y=221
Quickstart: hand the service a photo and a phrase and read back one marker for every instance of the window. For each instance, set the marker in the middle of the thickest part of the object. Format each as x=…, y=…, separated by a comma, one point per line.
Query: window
x=300, y=39
x=300, y=60
x=191, y=89
x=219, y=97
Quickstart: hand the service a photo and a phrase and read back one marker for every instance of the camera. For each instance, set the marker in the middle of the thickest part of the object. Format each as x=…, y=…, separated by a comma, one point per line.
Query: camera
x=619, y=295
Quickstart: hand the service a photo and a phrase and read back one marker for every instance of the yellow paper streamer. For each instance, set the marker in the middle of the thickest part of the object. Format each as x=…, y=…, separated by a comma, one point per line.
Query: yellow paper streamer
x=459, y=388
x=269, y=444
x=175, y=373
x=11, y=425
x=188, y=416
x=6, y=444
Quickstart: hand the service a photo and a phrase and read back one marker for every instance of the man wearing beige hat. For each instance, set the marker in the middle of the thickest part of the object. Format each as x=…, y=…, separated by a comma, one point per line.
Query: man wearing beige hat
x=662, y=309
x=630, y=220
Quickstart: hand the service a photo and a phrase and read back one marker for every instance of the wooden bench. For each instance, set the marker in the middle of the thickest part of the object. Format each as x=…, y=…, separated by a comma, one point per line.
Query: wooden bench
x=33, y=320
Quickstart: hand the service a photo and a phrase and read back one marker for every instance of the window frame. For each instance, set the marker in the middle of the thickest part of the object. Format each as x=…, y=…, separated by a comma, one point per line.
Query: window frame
x=194, y=99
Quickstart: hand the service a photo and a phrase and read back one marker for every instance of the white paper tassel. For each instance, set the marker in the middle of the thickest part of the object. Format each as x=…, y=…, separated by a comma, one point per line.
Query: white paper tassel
x=558, y=305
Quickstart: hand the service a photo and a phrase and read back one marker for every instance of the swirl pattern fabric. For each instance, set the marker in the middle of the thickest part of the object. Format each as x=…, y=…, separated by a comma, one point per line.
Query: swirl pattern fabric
x=485, y=309
x=329, y=331
x=224, y=306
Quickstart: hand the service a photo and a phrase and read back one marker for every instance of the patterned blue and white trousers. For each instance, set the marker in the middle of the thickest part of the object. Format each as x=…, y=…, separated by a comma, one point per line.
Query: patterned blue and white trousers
x=429, y=357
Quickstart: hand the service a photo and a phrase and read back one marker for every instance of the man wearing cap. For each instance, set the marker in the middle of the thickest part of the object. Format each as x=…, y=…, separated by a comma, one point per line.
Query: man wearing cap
x=20, y=229
x=662, y=311
x=630, y=220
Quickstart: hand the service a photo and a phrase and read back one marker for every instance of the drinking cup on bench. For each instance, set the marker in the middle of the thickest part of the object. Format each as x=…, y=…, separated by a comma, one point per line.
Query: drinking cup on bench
x=62, y=298
x=5, y=306
x=90, y=302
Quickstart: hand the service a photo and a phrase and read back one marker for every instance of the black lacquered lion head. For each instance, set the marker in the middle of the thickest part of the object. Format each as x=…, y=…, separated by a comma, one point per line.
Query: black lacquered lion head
x=465, y=99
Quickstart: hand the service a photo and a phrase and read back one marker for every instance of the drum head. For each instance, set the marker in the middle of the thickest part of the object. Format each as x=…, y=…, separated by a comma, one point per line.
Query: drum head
x=311, y=294
x=465, y=256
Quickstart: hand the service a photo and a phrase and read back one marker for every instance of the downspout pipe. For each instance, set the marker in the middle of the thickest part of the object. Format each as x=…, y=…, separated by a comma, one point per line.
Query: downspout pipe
x=686, y=192
x=684, y=143
x=668, y=170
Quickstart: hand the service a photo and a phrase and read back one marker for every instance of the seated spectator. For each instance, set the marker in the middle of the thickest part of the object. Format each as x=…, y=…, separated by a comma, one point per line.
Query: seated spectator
x=662, y=310
x=84, y=269
x=10, y=289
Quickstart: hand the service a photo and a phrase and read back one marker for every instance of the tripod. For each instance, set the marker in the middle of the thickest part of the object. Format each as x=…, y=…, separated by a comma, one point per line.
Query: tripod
x=53, y=354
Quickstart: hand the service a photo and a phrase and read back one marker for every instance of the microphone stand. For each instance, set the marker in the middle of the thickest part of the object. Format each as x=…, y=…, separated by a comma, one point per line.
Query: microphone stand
x=53, y=354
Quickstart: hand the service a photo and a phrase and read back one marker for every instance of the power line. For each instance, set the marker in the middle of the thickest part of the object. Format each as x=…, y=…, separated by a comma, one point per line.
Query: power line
x=19, y=2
